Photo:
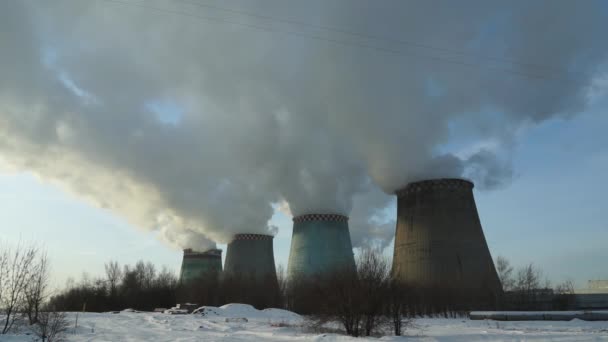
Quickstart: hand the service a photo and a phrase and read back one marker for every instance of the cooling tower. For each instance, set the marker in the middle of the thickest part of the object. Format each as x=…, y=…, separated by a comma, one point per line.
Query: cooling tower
x=320, y=243
x=196, y=265
x=439, y=242
x=250, y=255
x=249, y=273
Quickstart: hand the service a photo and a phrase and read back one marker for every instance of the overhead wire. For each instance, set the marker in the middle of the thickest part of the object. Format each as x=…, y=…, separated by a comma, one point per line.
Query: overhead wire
x=334, y=41
x=365, y=35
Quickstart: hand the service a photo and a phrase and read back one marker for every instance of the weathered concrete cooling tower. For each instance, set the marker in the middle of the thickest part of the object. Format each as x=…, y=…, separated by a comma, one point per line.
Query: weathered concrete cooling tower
x=250, y=255
x=439, y=242
x=250, y=275
x=199, y=264
x=320, y=243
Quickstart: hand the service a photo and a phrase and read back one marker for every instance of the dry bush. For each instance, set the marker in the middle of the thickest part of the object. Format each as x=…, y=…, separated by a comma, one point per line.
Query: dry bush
x=356, y=300
x=51, y=326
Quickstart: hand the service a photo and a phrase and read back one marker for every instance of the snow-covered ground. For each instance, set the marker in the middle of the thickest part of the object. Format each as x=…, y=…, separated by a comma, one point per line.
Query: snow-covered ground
x=226, y=324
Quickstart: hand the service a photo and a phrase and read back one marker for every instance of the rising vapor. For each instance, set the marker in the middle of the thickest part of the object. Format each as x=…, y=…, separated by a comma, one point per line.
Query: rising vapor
x=197, y=127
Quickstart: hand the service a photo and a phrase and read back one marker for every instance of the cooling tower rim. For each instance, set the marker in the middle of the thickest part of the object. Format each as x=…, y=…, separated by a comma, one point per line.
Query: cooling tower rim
x=250, y=236
x=437, y=183
x=213, y=253
x=320, y=217
x=202, y=256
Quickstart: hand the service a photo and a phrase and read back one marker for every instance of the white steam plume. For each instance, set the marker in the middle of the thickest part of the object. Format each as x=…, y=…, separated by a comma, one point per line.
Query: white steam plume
x=195, y=127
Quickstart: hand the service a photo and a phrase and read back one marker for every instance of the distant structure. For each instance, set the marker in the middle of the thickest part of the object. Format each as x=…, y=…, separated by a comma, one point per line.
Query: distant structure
x=250, y=255
x=439, y=243
x=196, y=265
x=599, y=285
x=595, y=296
x=320, y=243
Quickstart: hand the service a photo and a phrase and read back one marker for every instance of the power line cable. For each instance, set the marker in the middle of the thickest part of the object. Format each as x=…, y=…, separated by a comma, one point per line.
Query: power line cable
x=335, y=41
x=368, y=36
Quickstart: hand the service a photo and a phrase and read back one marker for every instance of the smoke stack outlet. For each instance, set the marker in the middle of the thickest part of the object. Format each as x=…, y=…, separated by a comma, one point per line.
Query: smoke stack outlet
x=320, y=243
x=439, y=241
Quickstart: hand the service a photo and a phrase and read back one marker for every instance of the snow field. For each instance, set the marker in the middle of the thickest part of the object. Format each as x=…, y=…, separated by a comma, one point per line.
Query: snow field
x=279, y=325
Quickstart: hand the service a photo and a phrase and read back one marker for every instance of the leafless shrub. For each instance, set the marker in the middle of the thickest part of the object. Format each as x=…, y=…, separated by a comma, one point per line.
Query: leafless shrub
x=51, y=325
x=374, y=279
x=396, y=307
x=357, y=300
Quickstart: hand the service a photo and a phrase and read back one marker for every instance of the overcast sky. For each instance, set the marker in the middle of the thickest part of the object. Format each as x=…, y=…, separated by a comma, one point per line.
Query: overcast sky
x=130, y=130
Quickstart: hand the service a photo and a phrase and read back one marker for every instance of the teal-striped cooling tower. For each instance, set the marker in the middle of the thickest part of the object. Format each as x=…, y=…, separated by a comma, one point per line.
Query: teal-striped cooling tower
x=320, y=243
x=197, y=265
x=250, y=255
x=439, y=241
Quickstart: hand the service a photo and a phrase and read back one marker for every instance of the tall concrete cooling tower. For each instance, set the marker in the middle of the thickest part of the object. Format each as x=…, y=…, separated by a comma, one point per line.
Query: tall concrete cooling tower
x=250, y=275
x=250, y=255
x=320, y=243
x=196, y=265
x=439, y=242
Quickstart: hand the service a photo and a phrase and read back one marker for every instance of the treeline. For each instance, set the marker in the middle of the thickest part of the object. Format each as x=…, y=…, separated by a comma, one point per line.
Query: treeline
x=140, y=287
x=525, y=289
x=366, y=302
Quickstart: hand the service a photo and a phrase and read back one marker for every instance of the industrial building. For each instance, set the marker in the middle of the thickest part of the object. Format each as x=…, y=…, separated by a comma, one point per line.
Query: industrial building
x=320, y=243
x=595, y=296
x=196, y=265
x=439, y=241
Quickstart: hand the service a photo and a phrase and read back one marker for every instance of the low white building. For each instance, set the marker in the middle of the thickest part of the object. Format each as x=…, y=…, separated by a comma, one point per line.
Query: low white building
x=595, y=296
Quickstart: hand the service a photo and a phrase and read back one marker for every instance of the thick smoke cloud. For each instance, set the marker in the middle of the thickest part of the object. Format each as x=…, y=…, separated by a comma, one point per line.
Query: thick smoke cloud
x=182, y=121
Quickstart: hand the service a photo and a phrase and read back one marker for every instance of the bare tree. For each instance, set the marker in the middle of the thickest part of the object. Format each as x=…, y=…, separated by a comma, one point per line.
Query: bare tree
x=149, y=275
x=567, y=287
x=16, y=273
x=505, y=273
x=528, y=278
x=564, y=295
x=113, y=275
x=36, y=289
x=166, y=278
x=527, y=285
